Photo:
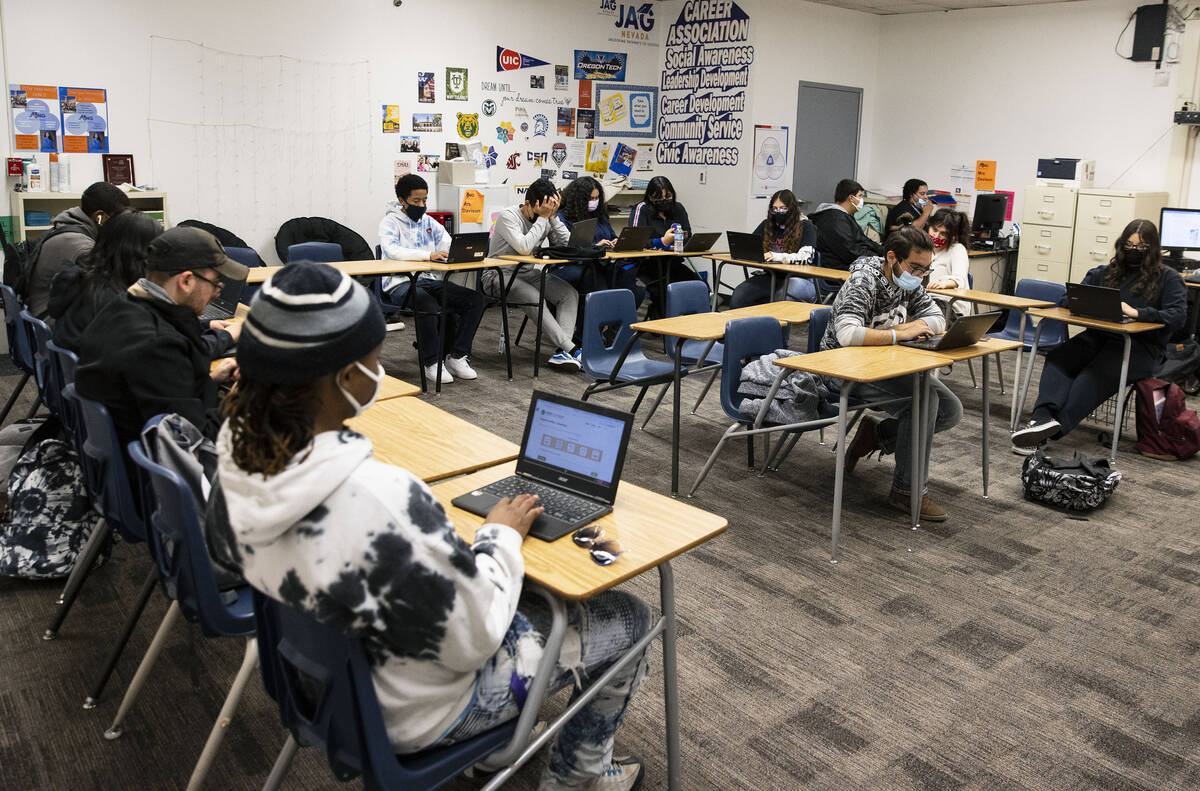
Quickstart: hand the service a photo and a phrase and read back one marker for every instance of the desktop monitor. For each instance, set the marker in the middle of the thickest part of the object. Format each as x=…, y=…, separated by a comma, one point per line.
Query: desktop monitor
x=990, y=210
x=1179, y=230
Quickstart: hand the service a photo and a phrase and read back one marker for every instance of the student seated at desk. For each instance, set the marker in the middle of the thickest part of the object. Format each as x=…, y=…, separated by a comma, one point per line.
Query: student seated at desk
x=1084, y=372
x=101, y=275
x=407, y=233
x=311, y=519
x=840, y=240
x=660, y=211
x=883, y=303
x=914, y=203
x=950, y=231
x=521, y=230
x=788, y=238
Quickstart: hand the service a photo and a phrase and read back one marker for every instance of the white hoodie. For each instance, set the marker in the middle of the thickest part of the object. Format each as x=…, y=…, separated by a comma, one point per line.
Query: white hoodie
x=364, y=547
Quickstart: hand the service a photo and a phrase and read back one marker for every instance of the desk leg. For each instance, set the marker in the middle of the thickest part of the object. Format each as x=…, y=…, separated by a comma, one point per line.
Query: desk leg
x=771, y=298
x=987, y=408
x=917, y=450
x=412, y=297
x=504, y=318
x=666, y=586
x=839, y=472
x=675, y=422
x=1017, y=373
x=1037, y=337
x=717, y=266
x=441, y=351
x=537, y=341
x=1112, y=457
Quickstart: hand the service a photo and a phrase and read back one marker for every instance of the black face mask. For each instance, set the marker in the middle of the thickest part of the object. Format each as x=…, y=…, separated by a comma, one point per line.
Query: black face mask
x=415, y=213
x=664, y=205
x=1133, y=258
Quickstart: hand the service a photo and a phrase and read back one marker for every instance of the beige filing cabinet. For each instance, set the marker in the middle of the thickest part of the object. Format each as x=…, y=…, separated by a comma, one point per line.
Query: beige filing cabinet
x=1100, y=216
x=1047, y=231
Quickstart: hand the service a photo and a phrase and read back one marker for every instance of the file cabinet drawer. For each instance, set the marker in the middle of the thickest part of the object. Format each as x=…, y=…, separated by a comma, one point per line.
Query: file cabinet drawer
x=1103, y=211
x=1046, y=242
x=1049, y=206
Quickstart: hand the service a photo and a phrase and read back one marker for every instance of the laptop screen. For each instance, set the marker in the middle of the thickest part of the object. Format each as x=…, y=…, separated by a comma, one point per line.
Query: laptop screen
x=574, y=441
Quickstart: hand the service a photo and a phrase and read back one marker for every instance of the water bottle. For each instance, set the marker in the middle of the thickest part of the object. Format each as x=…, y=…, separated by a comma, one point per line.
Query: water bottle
x=678, y=231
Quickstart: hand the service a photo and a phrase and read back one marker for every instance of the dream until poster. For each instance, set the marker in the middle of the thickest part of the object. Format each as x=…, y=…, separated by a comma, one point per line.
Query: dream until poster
x=84, y=120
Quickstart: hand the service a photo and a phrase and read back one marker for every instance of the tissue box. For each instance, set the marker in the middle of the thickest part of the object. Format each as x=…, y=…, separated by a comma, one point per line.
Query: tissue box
x=457, y=171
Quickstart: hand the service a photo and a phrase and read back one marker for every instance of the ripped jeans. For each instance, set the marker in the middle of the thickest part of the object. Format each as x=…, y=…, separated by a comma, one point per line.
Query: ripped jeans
x=599, y=631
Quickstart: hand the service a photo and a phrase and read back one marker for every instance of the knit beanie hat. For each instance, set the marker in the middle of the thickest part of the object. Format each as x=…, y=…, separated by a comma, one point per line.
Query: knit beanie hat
x=308, y=320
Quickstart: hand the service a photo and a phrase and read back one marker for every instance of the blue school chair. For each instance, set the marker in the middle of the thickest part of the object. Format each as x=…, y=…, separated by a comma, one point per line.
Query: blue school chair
x=621, y=363
x=314, y=252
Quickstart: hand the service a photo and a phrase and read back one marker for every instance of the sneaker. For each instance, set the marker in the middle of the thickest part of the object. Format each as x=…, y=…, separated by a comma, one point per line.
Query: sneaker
x=431, y=374
x=930, y=511
x=625, y=776
x=865, y=442
x=1023, y=451
x=578, y=355
x=460, y=367
x=1035, y=433
x=562, y=359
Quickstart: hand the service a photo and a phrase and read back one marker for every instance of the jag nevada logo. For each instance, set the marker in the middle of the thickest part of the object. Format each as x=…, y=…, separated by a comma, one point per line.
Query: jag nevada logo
x=633, y=21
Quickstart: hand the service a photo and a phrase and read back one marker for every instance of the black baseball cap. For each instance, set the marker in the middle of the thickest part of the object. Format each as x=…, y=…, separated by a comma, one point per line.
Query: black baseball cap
x=190, y=249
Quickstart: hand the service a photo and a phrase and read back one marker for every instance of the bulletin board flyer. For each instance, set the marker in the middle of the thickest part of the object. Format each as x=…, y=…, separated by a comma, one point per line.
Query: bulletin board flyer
x=84, y=120
x=34, y=122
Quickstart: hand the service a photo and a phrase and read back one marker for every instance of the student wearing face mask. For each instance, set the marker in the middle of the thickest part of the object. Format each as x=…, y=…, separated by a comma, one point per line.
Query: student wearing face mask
x=407, y=233
x=840, y=240
x=950, y=231
x=660, y=211
x=914, y=202
x=883, y=303
x=788, y=237
x=307, y=514
x=1084, y=372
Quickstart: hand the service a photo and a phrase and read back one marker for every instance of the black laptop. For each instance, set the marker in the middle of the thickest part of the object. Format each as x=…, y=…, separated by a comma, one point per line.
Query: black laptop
x=571, y=457
x=1096, y=302
x=466, y=248
x=701, y=242
x=583, y=234
x=224, y=305
x=965, y=331
x=745, y=247
x=633, y=238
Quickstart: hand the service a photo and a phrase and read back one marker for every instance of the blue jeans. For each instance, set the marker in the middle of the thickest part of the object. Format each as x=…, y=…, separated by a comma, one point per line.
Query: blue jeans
x=895, y=433
x=599, y=631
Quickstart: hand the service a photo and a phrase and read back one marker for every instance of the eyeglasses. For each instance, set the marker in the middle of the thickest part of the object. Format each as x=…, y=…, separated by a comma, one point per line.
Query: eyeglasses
x=604, y=553
x=217, y=284
x=918, y=271
x=1142, y=247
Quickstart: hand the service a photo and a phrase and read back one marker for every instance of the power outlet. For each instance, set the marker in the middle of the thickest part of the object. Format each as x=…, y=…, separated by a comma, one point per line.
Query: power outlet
x=703, y=177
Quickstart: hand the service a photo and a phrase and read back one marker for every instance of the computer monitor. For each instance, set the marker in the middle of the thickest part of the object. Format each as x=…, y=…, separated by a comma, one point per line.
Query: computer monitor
x=990, y=210
x=1179, y=230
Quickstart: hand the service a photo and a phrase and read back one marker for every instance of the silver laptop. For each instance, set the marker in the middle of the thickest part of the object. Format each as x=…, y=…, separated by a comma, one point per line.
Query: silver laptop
x=965, y=331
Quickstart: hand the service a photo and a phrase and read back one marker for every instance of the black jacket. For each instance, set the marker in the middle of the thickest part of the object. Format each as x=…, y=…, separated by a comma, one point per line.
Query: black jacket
x=142, y=357
x=643, y=215
x=808, y=233
x=73, y=307
x=840, y=240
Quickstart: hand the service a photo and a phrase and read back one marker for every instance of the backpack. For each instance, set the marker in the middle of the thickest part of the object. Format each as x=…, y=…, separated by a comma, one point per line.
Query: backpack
x=49, y=517
x=1078, y=483
x=1167, y=429
x=1182, y=366
x=21, y=258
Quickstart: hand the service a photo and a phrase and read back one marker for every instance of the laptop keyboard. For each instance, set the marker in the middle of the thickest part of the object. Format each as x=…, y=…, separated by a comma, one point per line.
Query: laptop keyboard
x=215, y=311
x=929, y=343
x=558, y=504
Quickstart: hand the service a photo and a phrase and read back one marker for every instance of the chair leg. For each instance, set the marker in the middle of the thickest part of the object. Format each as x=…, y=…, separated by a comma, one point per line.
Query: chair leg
x=282, y=763
x=971, y=368
x=750, y=451
x=712, y=457
x=521, y=331
x=1000, y=373
x=143, y=671
x=217, y=734
x=93, y=546
x=638, y=401
x=122, y=639
x=785, y=451
x=657, y=400
x=37, y=404
x=12, y=399
x=87, y=560
x=716, y=372
x=821, y=436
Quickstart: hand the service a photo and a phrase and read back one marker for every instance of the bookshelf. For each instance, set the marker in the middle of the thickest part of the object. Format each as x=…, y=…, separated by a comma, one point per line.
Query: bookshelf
x=54, y=203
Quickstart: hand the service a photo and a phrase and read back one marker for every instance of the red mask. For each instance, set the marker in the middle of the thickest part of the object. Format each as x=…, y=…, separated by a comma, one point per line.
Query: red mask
x=938, y=244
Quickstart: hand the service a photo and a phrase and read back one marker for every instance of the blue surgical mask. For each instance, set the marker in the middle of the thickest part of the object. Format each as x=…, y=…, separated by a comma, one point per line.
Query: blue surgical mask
x=921, y=202
x=907, y=281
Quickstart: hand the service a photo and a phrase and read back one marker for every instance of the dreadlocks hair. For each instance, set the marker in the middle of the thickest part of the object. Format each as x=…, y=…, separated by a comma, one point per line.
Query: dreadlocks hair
x=269, y=423
x=1152, y=264
x=575, y=197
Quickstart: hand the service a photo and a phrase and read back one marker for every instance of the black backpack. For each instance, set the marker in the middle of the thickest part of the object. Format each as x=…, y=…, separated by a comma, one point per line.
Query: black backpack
x=21, y=258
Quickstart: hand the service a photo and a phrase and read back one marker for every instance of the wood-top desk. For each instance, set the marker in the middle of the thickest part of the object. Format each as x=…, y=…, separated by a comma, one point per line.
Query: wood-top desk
x=719, y=260
x=429, y=442
x=1126, y=331
x=259, y=274
x=389, y=388
x=651, y=529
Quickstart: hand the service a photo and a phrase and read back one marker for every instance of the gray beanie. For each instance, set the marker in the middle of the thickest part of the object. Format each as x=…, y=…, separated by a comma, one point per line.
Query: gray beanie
x=308, y=320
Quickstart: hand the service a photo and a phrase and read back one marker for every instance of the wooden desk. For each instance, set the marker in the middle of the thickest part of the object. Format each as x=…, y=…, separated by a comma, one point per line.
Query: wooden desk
x=389, y=388
x=429, y=442
x=863, y=364
x=771, y=267
x=259, y=274
x=1126, y=331
x=708, y=327
x=651, y=530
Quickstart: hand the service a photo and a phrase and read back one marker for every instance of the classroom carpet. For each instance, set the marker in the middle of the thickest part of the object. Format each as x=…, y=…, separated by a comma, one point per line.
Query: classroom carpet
x=1011, y=647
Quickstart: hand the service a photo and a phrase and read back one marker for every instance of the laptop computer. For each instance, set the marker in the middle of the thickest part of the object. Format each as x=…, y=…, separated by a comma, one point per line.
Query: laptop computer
x=466, y=248
x=966, y=330
x=745, y=246
x=1096, y=302
x=701, y=242
x=571, y=456
x=583, y=234
x=633, y=238
x=225, y=304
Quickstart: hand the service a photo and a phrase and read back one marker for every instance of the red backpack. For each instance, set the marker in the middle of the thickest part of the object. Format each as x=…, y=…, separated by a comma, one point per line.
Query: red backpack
x=1167, y=429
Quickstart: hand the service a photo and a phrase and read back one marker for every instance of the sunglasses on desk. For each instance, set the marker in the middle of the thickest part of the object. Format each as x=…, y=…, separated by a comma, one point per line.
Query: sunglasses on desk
x=603, y=553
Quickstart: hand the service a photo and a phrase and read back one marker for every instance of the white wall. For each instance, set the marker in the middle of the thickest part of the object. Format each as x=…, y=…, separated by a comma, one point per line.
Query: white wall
x=1015, y=84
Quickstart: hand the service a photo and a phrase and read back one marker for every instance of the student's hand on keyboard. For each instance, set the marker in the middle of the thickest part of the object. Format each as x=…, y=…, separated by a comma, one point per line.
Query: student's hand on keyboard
x=912, y=330
x=516, y=512
x=226, y=372
x=1129, y=310
x=439, y=255
x=234, y=328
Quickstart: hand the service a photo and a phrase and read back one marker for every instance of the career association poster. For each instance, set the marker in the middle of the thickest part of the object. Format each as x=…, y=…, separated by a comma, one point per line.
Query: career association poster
x=84, y=120
x=34, y=114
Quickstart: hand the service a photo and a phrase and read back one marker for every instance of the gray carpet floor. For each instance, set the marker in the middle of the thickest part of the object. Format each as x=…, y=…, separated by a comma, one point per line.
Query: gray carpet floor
x=1009, y=648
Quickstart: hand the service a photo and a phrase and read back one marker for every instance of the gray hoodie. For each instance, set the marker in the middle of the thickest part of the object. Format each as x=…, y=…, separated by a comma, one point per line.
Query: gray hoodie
x=59, y=253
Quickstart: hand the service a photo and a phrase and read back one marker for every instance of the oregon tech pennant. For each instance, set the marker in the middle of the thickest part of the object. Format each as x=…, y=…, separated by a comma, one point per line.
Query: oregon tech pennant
x=511, y=60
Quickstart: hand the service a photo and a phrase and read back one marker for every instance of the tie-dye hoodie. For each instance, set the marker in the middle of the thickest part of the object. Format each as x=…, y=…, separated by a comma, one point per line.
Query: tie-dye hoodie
x=364, y=547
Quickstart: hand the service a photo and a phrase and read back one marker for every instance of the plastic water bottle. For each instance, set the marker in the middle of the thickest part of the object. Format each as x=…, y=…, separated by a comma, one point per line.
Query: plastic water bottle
x=677, y=229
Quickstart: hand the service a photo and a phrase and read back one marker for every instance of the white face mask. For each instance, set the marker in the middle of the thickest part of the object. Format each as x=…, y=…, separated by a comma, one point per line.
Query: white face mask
x=857, y=203
x=593, y=204
x=376, y=377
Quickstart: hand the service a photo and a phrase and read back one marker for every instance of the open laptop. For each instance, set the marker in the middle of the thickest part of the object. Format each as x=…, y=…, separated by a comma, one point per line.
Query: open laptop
x=225, y=304
x=571, y=456
x=633, y=238
x=701, y=242
x=1096, y=302
x=583, y=234
x=965, y=331
x=466, y=248
x=745, y=246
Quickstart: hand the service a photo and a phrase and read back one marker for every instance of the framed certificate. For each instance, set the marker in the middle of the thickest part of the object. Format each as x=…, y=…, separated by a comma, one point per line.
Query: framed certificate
x=118, y=168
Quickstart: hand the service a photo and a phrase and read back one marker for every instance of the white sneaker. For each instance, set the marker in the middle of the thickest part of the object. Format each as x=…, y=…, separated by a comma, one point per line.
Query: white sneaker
x=460, y=367
x=431, y=374
x=625, y=776
x=1035, y=433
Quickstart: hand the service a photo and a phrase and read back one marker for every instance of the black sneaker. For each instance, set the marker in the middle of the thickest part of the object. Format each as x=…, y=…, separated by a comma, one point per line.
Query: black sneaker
x=1035, y=433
